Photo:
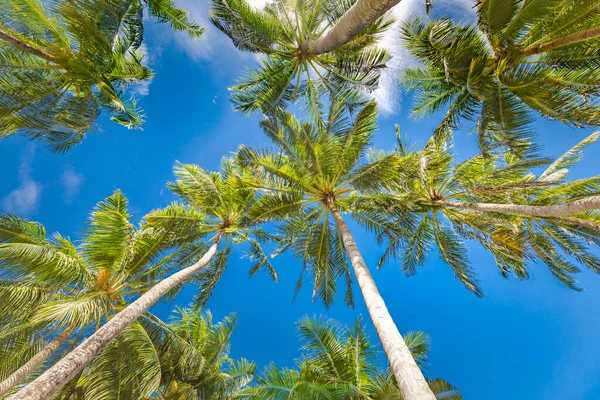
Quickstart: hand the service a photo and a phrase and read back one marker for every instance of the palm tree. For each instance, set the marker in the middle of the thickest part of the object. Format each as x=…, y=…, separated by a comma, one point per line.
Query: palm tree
x=128, y=368
x=62, y=62
x=310, y=47
x=340, y=362
x=217, y=210
x=306, y=182
x=52, y=288
x=184, y=360
x=524, y=56
x=200, y=366
x=517, y=214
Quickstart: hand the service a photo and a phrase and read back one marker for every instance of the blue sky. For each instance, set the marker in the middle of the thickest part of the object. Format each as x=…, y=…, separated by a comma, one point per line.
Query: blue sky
x=526, y=340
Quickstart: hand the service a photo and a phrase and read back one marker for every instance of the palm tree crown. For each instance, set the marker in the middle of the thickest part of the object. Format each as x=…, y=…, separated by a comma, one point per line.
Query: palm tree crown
x=199, y=366
x=50, y=284
x=62, y=62
x=216, y=203
x=313, y=164
x=340, y=362
x=444, y=201
x=524, y=55
x=288, y=71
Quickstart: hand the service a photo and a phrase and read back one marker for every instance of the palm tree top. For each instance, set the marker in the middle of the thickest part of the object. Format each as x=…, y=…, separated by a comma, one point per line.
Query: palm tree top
x=289, y=71
x=57, y=290
x=441, y=198
x=340, y=362
x=215, y=205
x=522, y=56
x=318, y=161
x=113, y=261
x=221, y=197
x=64, y=62
x=199, y=366
x=313, y=167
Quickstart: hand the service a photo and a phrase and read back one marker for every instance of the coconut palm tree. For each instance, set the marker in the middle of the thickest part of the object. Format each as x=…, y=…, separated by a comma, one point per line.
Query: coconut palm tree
x=524, y=56
x=129, y=368
x=52, y=289
x=62, y=62
x=340, y=362
x=306, y=181
x=310, y=47
x=190, y=353
x=517, y=213
x=200, y=366
x=217, y=211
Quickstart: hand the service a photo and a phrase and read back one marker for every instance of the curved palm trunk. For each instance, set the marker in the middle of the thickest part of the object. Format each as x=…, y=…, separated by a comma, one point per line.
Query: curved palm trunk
x=20, y=374
x=361, y=14
x=582, y=222
x=410, y=379
x=63, y=371
x=556, y=211
x=25, y=46
x=563, y=41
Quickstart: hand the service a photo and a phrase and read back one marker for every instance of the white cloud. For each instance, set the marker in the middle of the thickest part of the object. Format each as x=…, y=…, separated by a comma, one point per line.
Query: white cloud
x=143, y=88
x=388, y=93
x=25, y=199
x=71, y=181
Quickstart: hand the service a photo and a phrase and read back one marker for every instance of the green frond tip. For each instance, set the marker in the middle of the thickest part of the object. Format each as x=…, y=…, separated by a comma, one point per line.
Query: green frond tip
x=165, y=11
x=559, y=168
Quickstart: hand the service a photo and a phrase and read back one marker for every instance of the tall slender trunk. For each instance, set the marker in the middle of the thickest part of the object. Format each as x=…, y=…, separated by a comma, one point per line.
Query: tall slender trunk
x=361, y=14
x=410, y=379
x=556, y=211
x=26, y=47
x=20, y=374
x=63, y=371
x=561, y=42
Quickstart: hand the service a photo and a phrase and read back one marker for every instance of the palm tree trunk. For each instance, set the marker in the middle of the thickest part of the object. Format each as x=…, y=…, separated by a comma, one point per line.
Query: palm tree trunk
x=563, y=41
x=409, y=377
x=26, y=47
x=361, y=14
x=63, y=371
x=556, y=211
x=582, y=222
x=20, y=374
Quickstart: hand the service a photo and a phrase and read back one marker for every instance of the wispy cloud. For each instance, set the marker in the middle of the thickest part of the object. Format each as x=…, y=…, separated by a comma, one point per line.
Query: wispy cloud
x=25, y=199
x=143, y=88
x=388, y=94
x=71, y=182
